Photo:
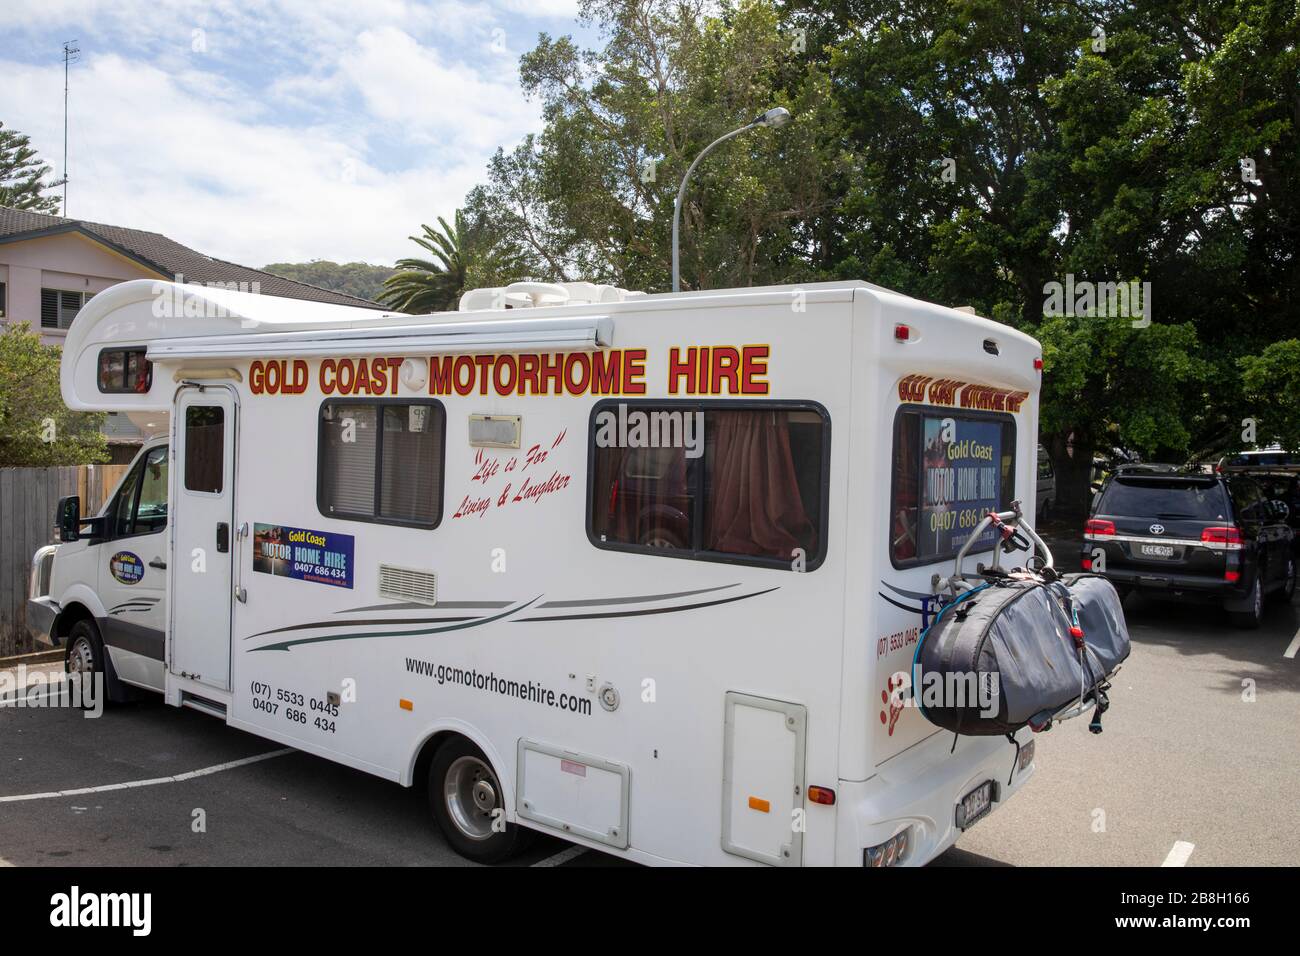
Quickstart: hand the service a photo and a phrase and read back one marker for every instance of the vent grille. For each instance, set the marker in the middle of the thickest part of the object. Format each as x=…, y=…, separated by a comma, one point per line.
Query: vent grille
x=409, y=584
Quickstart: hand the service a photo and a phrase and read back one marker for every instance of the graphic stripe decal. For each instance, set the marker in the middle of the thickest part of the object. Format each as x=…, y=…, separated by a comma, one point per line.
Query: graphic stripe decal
x=285, y=645
x=638, y=599
x=414, y=605
x=644, y=611
x=371, y=622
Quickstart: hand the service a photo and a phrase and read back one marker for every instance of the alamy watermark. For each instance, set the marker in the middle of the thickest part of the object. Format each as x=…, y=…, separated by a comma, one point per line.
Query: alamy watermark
x=643, y=428
x=43, y=689
x=1120, y=300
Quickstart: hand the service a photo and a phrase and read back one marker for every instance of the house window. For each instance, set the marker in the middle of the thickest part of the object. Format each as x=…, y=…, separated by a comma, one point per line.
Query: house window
x=124, y=370
x=738, y=482
x=2, y=300
x=60, y=307
x=381, y=461
x=949, y=471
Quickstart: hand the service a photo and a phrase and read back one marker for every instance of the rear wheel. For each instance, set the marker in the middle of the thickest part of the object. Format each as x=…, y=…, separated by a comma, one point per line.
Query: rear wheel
x=468, y=804
x=1253, y=616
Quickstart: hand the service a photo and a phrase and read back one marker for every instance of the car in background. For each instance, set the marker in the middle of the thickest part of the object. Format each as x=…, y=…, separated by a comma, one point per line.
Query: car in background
x=1046, y=497
x=1278, y=472
x=1169, y=533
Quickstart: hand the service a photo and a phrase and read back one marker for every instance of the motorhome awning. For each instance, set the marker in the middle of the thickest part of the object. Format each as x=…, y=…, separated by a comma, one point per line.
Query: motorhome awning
x=586, y=334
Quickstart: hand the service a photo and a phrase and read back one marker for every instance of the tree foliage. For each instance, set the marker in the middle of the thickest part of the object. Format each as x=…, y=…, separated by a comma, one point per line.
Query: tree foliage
x=36, y=428
x=23, y=175
x=968, y=152
x=465, y=255
x=353, y=278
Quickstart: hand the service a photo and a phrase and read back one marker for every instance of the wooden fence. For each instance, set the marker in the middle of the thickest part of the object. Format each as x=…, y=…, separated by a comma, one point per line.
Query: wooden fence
x=27, y=500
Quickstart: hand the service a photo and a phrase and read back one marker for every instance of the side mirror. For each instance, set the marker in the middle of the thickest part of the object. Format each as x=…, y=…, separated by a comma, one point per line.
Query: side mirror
x=68, y=517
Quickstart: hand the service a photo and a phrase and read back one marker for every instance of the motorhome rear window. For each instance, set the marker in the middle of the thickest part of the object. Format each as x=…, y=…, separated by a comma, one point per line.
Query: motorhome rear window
x=949, y=470
x=382, y=461
x=124, y=370
x=713, y=481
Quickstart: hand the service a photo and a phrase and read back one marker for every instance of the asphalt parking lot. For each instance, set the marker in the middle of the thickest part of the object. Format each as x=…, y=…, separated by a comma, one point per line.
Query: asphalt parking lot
x=1199, y=765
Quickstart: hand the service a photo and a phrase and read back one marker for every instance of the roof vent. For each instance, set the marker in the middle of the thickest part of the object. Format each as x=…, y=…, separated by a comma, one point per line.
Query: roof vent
x=531, y=295
x=408, y=584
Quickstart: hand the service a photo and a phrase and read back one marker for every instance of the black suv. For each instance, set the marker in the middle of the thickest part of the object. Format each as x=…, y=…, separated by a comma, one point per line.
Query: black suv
x=1166, y=532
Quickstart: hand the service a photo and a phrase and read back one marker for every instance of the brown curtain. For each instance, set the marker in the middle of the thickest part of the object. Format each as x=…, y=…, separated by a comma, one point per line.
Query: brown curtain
x=754, y=503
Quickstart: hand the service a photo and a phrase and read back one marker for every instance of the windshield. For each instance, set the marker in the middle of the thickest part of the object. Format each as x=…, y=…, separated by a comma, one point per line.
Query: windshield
x=1161, y=499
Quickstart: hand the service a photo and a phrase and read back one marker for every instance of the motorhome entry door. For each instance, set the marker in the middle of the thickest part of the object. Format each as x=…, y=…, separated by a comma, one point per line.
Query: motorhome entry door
x=203, y=506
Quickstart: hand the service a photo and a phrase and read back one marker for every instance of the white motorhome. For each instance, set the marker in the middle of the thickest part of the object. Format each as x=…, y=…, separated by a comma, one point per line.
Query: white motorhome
x=635, y=570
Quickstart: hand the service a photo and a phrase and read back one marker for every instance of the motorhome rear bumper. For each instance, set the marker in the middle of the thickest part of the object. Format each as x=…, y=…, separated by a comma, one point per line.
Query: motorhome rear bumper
x=920, y=788
x=41, y=613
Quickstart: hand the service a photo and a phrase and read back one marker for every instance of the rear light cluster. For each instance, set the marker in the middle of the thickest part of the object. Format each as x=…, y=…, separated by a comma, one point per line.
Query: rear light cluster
x=1229, y=537
x=1098, y=528
x=890, y=853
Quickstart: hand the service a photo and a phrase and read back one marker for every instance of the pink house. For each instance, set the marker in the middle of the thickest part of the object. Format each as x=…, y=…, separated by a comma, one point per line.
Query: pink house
x=50, y=266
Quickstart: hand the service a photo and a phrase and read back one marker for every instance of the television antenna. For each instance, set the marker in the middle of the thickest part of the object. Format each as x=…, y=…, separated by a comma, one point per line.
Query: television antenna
x=71, y=54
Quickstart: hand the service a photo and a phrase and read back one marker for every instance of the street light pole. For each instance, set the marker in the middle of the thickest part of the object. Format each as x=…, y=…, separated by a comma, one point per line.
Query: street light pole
x=778, y=116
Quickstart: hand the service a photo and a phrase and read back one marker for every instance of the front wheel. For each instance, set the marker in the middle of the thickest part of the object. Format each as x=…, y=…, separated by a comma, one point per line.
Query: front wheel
x=1287, y=591
x=1253, y=616
x=85, y=660
x=468, y=804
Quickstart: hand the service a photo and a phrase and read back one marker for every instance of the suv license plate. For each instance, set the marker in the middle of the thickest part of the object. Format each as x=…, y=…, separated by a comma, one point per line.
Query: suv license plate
x=1156, y=550
x=976, y=804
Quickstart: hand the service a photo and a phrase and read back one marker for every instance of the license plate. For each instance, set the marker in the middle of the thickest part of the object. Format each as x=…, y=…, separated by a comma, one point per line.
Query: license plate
x=1156, y=550
x=976, y=804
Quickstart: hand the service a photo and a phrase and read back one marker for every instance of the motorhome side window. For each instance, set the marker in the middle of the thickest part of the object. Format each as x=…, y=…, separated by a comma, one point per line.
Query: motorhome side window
x=205, y=453
x=382, y=461
x=124, y=370
x=739, y=483
x=140, y=506
x=949, y=470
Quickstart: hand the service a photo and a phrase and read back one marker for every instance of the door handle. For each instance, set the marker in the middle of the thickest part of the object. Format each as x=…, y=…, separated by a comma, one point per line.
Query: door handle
x=158, y=563
x=223, y=537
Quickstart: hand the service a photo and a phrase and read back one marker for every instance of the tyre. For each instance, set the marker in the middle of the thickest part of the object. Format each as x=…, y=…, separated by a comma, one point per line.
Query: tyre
x=1287, y=590
x=1253, y=616
x=86, y=654
x=468, y=804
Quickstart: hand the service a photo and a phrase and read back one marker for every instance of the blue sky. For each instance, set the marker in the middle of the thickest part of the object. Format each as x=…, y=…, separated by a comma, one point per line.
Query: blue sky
x=274, y=130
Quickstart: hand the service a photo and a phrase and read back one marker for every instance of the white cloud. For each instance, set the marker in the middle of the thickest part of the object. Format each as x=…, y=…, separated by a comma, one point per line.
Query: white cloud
x=304, y=129
x=148, y=152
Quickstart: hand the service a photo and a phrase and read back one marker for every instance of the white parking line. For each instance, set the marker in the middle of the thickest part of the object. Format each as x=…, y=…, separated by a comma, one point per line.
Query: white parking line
x=1294, y=646
x=131, y=784
x=1179, y=854
x=564, y=856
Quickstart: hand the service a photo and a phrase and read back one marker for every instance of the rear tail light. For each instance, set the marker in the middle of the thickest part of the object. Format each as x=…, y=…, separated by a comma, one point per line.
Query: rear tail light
x=1098, y=527
x=902, y=333
x=890, y=853
x=1087, y=564
x=1232, y=577
x=1229, y=537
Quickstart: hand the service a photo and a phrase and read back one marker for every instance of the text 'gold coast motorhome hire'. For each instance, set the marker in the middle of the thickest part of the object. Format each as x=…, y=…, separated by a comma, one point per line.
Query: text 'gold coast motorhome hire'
x=695, y=370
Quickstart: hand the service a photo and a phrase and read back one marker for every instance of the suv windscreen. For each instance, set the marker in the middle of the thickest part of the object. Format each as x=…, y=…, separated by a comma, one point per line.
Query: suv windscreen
x=1149, y=498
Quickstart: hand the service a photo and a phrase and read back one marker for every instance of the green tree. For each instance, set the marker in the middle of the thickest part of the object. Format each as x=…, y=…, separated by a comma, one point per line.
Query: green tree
x=463, y=256
x=354, y=278
x=1271, y=382
x=22, y=174
x=591, y=197
x=36, y=428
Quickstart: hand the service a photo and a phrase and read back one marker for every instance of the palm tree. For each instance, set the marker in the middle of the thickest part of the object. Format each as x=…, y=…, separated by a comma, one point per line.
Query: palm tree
x=460, y=253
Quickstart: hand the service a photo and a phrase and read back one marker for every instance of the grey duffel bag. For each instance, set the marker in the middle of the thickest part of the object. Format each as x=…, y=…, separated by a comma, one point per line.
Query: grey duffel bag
x=1016, y=652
